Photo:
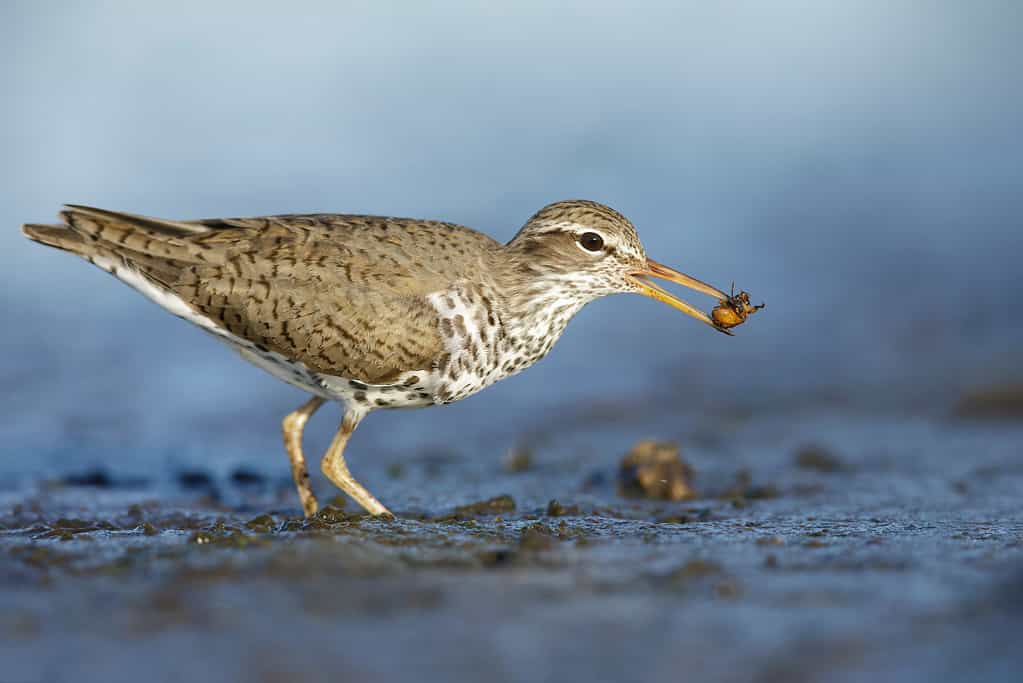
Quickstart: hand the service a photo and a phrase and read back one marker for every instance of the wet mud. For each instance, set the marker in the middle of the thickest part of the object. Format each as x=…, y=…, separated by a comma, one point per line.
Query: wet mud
x=808, y=545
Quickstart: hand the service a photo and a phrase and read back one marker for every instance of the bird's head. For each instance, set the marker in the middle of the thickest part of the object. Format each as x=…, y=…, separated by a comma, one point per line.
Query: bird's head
x=593, y=250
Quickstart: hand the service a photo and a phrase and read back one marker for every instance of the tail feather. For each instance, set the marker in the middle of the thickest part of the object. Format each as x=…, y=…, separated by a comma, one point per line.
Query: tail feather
x=156, y=249
x=147, y=223
x=152, y=236
x=57, y=236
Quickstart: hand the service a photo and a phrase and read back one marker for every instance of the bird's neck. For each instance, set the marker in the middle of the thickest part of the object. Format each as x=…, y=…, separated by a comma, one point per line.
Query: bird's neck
x=537, y=311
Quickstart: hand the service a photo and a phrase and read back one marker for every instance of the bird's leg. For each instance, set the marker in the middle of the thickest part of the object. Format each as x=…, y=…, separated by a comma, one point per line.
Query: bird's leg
x=333, y=465
x=293, y=426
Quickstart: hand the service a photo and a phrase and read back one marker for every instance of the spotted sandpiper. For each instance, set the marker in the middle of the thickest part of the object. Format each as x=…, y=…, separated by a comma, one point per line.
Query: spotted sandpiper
x=370, y=311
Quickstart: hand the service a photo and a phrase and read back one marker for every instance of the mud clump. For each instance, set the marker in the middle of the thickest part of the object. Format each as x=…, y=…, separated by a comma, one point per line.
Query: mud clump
x=328, y=518
x=655, y=469
x=66, y=529
x=330, y=514
x=263, y=524
x=993, y=403
x=492, y=506
x=221, y=534
x=819, y=458
x=556, y=509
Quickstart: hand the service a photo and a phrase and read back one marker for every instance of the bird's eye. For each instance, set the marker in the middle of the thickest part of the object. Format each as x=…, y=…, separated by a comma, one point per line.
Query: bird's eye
x=591, y=241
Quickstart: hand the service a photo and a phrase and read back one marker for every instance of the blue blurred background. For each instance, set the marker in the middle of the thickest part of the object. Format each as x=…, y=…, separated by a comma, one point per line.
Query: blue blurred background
x=858, y=166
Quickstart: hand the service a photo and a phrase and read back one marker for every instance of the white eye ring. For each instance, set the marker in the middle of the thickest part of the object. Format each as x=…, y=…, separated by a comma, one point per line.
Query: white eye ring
x=591, y=242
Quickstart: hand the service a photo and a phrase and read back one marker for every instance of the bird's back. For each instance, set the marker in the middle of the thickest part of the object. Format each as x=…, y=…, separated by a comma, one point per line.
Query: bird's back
x=344, y=295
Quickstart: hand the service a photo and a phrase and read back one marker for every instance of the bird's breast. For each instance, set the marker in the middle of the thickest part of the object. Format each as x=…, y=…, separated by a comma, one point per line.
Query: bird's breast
x=472, y=333
x=485, y=340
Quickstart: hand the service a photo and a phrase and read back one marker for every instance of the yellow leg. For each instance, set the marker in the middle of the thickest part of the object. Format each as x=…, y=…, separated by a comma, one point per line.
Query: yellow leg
x=294, y=425
x=333, y=465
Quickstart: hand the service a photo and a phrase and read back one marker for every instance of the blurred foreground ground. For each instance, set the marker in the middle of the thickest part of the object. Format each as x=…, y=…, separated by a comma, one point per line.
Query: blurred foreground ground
x=829, y=541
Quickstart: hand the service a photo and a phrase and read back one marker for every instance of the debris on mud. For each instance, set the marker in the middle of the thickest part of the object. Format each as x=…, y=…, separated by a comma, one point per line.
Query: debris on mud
x=168, y=562
x=227, y=535
x=1004, y=402
x=655, y=469
x=65, y=529
x=491, y=506
x=329, y=514
x=329, y=517
x=820, y=458
x=262, y=524
x=556, y=509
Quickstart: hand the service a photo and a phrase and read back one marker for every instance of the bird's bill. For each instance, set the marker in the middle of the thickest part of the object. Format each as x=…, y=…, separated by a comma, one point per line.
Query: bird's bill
x=656, y=270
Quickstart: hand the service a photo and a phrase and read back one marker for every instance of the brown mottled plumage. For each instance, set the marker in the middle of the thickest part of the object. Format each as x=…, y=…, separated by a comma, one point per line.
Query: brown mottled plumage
x=372, y=311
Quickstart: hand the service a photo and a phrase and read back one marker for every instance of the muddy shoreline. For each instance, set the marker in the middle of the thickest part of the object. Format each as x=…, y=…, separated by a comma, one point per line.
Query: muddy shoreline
x=819, y=545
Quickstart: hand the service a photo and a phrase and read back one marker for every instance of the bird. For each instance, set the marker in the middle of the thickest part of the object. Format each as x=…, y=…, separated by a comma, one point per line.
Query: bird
x=374, y=312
